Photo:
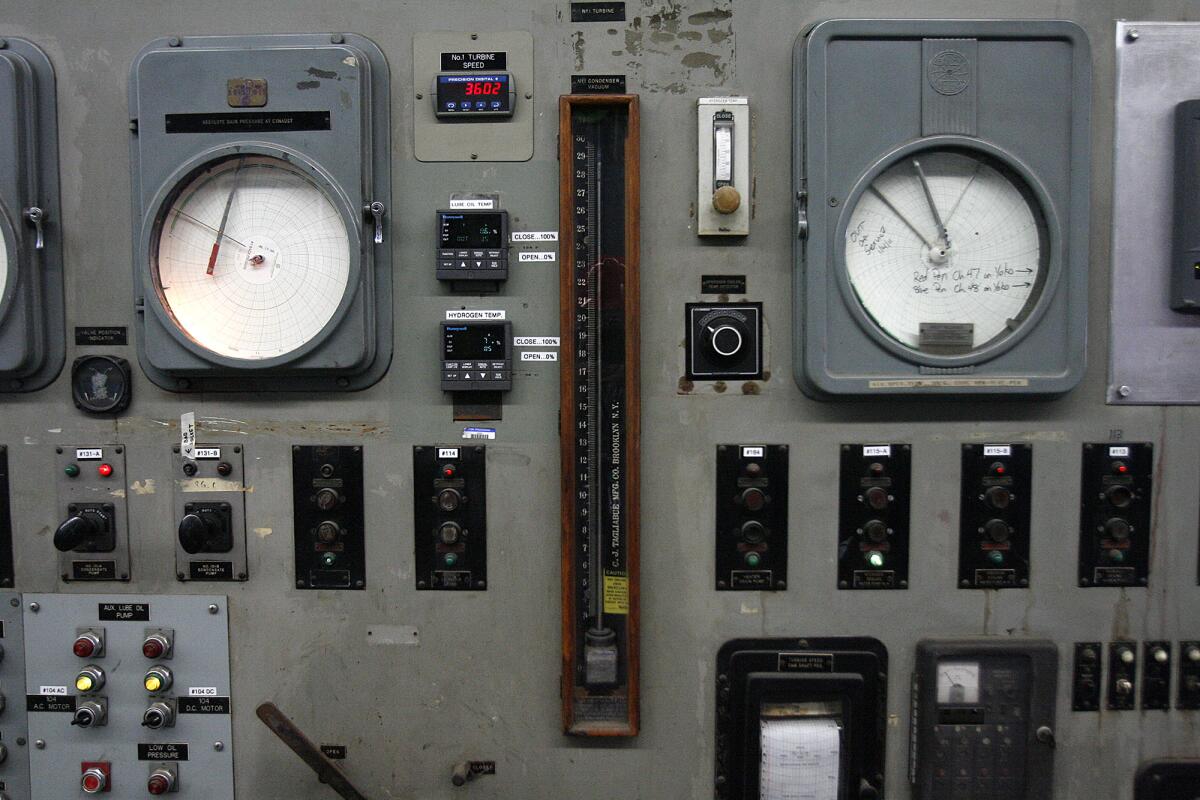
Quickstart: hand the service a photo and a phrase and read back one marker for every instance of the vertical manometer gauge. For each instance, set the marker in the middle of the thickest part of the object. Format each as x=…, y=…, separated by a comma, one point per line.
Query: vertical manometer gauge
x=32, y=343
x=599, y=206
x=942, y=246
x=261, y=259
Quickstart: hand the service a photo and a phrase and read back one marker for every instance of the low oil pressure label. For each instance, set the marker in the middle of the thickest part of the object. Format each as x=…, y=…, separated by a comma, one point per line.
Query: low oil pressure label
x=162, y=751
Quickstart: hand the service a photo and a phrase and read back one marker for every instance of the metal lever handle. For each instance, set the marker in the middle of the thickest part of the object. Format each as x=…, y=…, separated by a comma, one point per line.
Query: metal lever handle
x=377, y=210
x=34, y=215
x=310, y=754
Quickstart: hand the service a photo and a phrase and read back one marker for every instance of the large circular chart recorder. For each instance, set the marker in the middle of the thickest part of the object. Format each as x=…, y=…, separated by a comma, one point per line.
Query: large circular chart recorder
x=252, y=259
x=946, y=251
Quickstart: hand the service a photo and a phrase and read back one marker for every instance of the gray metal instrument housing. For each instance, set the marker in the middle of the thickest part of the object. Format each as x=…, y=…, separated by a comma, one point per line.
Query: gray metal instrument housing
x=199, y=664
x=32, y=344
x=863, y=98
x=344, y=75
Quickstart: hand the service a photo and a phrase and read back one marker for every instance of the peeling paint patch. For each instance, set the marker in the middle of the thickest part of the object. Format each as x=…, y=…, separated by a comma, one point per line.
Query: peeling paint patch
x=302, y=85
x=350, y=61
x=578, y=45
x=262, y=533
x=54, y=430
x=672, y=54
x=117, y=493
x=749, y=609
x=321, y=73
x=143, y=487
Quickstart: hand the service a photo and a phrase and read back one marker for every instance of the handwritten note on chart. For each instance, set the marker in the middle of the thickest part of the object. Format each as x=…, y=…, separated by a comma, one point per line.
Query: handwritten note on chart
x=801, y=759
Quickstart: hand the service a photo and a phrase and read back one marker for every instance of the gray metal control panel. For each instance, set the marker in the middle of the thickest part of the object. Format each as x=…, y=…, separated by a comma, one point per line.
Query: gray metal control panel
x=126, y=693
x=14, y=721
x=92, y=537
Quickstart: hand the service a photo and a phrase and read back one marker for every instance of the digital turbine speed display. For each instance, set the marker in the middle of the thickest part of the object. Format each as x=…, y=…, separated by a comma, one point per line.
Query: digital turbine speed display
x=474, y=95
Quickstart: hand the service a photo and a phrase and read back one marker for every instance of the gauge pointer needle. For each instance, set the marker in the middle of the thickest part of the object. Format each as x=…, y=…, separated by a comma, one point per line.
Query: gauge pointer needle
x=901, y=217
x=216, y=248
x=943, y=237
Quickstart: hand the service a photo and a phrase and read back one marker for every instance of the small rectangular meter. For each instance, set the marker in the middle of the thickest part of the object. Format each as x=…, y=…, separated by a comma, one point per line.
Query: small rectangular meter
x=468, y=95
x=476, y=356
x=472, y=245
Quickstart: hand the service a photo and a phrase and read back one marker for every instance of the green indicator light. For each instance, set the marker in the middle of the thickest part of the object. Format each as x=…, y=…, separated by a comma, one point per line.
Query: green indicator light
x=1116, y=556
x=875, y=559
x=996, y=557
x=753, y=559
x=71, y=470
x=451, y=559
x=329, y=559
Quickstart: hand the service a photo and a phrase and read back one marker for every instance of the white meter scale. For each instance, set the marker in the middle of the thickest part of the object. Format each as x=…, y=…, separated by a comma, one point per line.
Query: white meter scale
x=252, y=258
x=946, y=252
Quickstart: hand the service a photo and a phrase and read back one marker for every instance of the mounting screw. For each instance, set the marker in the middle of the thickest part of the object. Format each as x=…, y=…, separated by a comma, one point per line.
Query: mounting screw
x=474, y=156
x=358, y=584
x=529, y=95
x=20, y=741
x=35, y=607
x=174, y=41
x=1133, y=35
x=965, y=584
x=833, y=201
x=179, y=576
x=420, y=96
x=3, y=43
x=212, y=609
x=420, y=584
x=1124, y=390
x=300, y=583
x=241, y=577
x=40, y=744
x=14, y=602
x=474, y=36
x=218, y=746
x=337, y=38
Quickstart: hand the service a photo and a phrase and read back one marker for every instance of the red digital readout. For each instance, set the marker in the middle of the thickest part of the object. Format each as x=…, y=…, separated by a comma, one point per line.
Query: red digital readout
x=483, y=88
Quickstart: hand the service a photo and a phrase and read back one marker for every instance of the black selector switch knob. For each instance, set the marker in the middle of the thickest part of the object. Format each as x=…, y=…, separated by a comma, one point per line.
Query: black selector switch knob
x=725, y=337
x=327, y=499
x=450, y=533
x=205, y=530
x=77, y=531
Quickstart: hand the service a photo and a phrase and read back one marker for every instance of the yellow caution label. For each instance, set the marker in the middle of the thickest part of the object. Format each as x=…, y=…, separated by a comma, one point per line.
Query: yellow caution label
x=616, y=594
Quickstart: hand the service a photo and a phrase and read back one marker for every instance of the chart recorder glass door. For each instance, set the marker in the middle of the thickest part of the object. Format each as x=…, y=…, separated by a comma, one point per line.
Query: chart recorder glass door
x=801, y=718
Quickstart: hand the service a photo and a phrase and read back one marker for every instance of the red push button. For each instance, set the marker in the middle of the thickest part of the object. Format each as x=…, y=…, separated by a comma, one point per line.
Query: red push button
x=94, y=779
x=86, y=645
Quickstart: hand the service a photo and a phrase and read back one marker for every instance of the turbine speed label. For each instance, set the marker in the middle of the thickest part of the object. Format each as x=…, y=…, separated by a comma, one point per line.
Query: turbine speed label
x=945, y=251
x=252, y=258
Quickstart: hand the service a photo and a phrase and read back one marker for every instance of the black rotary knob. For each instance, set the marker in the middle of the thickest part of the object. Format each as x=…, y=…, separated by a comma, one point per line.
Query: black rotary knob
x=998, y=497
x=197, y=531
x=1117, y=528
x=875, y=530
x=754, y=532
x=75, y=531
x=997, y=530
x=876, y=497
x=1119, y=496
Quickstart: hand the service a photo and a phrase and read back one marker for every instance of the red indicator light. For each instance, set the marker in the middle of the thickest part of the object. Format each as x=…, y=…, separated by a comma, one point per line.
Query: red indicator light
x=105, y=470
x=85, y=646
x=153, y=648
x=448, y=470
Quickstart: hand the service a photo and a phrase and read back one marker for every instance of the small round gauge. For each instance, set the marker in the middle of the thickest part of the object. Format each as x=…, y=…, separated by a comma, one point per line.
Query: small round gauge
x=958, y=682
x=252, y=258
x=101, y=384
x=947, y=251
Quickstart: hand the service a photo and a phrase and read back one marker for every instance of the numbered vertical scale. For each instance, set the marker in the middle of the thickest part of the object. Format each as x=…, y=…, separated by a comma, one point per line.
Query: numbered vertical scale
x=600, y=432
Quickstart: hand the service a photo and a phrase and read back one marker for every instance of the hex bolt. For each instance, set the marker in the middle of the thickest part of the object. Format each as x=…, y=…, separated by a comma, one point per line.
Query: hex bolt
x=35, y=607
x=1133, y=35
x=212, y=609
x=218, y=746
x=1124, y=390
x=40, y=744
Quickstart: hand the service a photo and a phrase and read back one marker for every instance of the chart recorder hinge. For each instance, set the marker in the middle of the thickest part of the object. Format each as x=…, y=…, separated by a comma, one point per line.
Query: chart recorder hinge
x=802, y=213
